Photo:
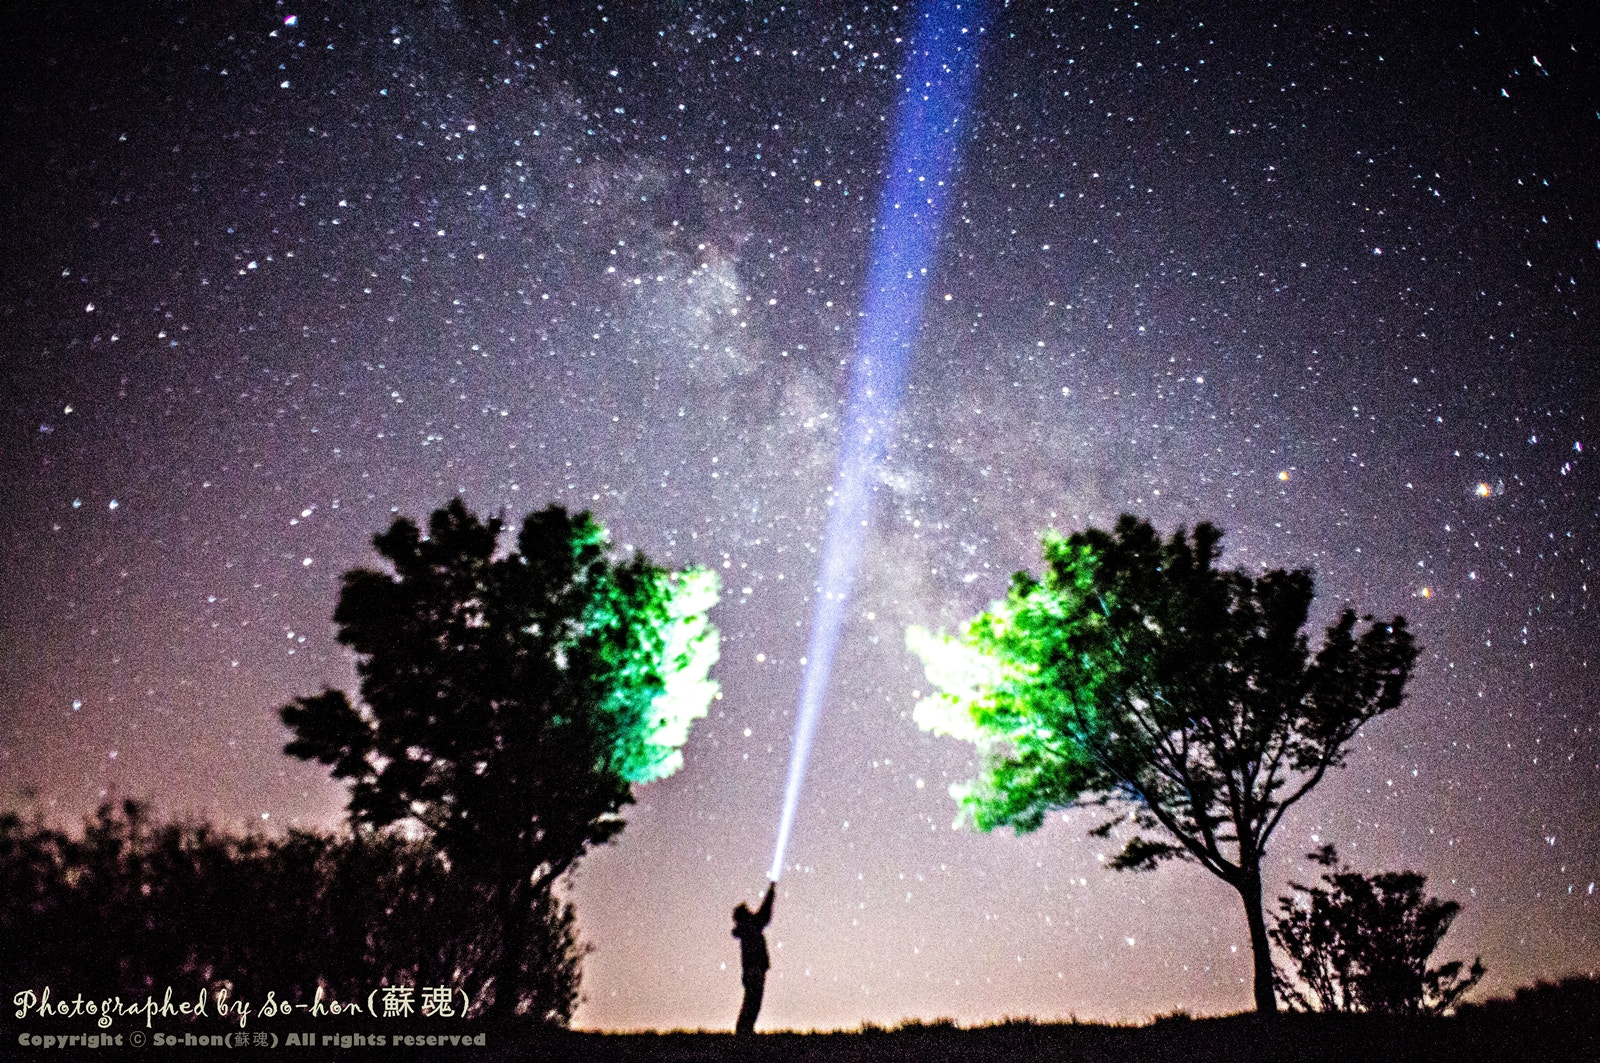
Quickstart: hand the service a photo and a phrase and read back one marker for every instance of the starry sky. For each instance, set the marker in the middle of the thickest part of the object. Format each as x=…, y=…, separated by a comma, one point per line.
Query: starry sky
x=1321, y=274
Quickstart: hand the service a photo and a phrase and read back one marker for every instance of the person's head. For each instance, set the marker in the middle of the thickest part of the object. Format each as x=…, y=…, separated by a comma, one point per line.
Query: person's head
x=742, y=913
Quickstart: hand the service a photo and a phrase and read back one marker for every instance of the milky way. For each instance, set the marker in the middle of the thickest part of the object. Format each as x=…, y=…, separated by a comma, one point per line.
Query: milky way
x=1323, y=277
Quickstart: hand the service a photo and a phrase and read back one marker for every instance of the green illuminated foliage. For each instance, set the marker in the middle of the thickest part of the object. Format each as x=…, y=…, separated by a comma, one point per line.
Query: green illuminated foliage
x=1135, y=674
x=510, y=701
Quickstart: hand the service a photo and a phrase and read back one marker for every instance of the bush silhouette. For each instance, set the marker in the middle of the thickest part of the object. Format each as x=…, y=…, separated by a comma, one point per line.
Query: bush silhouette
x=130, y=907
x=1361, y=943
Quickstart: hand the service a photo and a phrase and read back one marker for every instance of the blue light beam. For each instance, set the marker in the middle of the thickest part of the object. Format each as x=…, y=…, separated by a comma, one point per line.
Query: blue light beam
x=940, y=67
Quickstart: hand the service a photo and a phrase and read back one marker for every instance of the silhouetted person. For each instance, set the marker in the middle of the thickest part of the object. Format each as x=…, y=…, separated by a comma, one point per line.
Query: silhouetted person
x=748, y=927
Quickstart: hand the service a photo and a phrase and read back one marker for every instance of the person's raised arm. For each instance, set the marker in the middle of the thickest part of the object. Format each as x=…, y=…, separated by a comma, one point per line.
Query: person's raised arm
x=764, y=914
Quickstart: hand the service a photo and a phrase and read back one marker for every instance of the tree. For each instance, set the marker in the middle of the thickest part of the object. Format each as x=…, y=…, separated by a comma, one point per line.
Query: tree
x=510, y=701
x=1137, y=674
x=1361, y=943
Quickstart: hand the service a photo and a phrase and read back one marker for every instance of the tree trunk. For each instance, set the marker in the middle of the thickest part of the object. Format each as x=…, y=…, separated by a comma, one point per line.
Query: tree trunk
x=1249, y=887
x=513, y=943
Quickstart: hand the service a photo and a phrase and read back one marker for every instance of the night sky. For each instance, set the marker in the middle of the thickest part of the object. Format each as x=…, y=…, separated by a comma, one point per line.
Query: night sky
x=274, y=274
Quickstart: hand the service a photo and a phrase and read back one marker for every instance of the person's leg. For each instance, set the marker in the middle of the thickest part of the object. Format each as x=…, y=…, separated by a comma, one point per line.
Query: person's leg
x=754, y=988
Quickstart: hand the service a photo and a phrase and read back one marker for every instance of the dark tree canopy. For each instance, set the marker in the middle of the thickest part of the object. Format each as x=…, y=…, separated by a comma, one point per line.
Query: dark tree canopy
x=509, y=701
x=1134, y=672
x=1362, y=942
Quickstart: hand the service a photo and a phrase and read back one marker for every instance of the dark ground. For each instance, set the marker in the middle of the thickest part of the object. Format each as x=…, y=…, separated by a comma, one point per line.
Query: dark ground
x=1547, y=1023
x=1237, y=1039
x=1544, y=1024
